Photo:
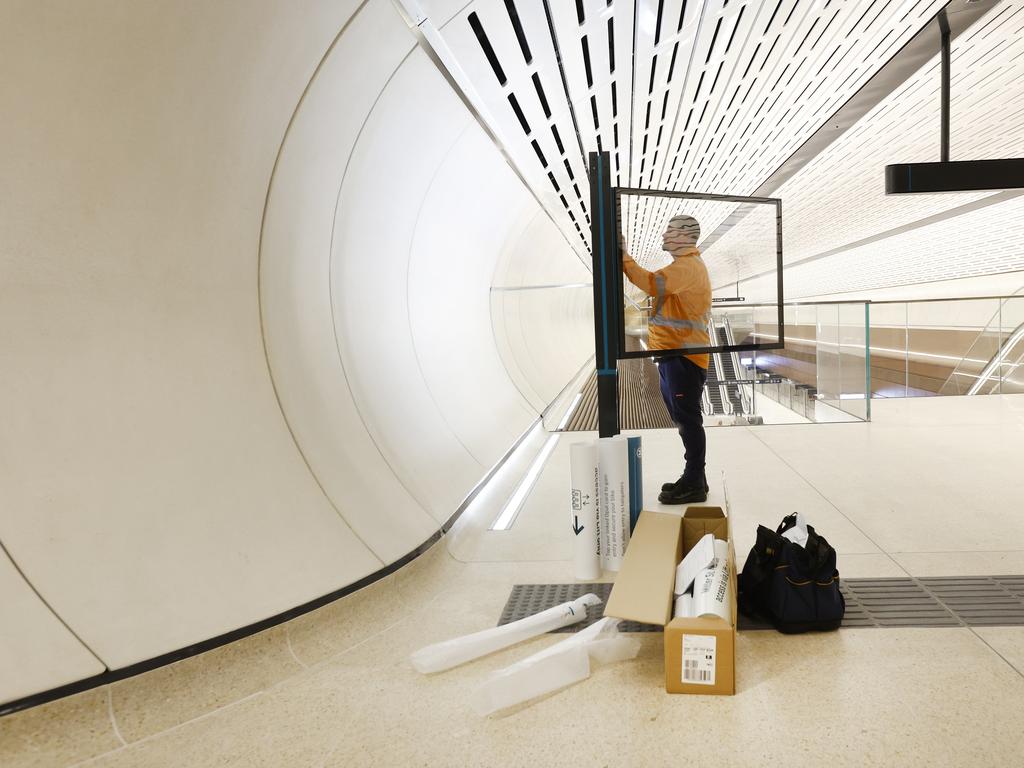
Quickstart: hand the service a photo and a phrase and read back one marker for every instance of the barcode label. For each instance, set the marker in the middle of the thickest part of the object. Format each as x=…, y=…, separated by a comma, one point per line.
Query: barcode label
x=699, y=659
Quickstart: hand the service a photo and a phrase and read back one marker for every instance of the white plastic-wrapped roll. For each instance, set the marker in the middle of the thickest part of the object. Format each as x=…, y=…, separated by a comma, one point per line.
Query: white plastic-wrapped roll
x=583, y=475
x=711, y=595
x=450, y=653
x=556, y=667
x=684, y=607
x=613, y=507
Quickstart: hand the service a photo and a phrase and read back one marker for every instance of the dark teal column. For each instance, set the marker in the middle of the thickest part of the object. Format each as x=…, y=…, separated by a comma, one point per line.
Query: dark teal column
x=607, y=292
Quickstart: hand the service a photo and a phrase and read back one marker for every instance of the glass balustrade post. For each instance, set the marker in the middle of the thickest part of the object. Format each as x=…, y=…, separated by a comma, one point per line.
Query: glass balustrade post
x=1000, y=350
x=906, y=350
x=753, y=385
x=867, y=361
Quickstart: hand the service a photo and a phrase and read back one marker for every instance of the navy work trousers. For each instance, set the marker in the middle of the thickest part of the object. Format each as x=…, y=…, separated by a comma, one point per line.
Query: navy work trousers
x=682, y=386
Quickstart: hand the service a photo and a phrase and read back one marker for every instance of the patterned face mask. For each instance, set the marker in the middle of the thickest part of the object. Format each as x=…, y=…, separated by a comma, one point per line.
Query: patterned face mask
x=681, y=233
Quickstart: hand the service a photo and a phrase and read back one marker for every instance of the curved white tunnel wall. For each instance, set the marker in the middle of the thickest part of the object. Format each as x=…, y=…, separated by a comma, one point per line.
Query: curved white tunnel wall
x=162, y=485
x=530, y=326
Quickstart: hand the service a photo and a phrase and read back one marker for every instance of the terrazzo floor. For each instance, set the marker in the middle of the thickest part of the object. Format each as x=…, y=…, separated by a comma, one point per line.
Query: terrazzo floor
x=931, y=487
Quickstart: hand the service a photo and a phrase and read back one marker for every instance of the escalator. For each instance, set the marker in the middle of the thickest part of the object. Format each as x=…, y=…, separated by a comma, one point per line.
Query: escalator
x=728, y=369
x=715, y=396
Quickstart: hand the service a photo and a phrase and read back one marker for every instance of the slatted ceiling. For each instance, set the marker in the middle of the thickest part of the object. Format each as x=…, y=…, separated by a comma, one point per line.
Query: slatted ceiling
x=511, y=38
x=669, y=93
x=986, y=94
x=783, y=124
x=725, y=92
x=589, y=51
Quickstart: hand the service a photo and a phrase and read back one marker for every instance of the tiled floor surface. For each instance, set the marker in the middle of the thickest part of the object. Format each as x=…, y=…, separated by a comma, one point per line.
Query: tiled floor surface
x=931, y=487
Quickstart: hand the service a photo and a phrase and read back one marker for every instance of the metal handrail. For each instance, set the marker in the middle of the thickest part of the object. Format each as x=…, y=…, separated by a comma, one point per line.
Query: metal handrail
x=997, y=318
x=743, y=305
x=997, y=359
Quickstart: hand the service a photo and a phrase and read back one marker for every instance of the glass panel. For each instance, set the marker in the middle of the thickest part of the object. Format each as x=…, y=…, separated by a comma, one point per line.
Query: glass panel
x=781, y=382
x=1012, y=366
x=734, y=235
x=889, y=334
x=950, y=343
x=853, y=395
x=841, y=361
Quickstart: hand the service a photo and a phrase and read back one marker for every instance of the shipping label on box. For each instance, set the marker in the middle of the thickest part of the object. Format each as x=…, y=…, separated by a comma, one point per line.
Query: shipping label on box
x=699, y=659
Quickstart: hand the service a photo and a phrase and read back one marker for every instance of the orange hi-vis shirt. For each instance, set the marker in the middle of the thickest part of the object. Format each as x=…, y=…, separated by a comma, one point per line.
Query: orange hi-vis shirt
x=682, y=303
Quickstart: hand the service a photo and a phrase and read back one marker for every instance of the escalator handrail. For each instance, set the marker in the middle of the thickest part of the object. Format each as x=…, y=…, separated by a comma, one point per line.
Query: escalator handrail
x=997, y=359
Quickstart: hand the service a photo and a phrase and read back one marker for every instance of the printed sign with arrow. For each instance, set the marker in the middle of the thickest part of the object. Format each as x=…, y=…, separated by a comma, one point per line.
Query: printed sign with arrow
x=576, y=525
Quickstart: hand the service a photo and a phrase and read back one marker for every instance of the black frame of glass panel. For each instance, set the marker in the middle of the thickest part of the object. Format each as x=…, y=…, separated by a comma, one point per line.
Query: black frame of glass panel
x=777, y=202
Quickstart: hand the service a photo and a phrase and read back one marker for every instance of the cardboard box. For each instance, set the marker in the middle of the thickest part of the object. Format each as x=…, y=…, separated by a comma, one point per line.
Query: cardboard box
x=643, y=592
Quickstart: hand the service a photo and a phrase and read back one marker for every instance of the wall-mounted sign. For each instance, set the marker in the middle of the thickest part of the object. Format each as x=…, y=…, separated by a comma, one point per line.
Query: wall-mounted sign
x=728, y=298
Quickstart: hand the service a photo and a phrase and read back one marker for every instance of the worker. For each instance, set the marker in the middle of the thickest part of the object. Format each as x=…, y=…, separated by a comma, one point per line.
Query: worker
x=680, y=319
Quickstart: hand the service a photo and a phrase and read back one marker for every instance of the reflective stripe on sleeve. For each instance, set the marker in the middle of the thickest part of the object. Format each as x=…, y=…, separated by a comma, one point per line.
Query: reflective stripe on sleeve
x=659, y=286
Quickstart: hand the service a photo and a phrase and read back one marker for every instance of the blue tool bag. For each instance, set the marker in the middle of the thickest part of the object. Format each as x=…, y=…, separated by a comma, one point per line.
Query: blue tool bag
x=794, y=587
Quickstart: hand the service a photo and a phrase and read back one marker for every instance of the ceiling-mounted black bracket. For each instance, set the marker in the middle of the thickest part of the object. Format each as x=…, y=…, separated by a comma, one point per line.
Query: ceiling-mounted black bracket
x=947, y=176
x=944, y=135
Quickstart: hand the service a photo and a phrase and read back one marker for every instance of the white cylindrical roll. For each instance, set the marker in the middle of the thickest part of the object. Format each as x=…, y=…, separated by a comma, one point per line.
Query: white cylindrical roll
x=711, y=595
x=684, y=607
x=583, y=474
x=613, y=508
x=450, y=653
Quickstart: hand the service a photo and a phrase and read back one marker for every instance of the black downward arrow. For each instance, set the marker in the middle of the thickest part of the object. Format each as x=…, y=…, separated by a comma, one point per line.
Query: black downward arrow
x=576, y=525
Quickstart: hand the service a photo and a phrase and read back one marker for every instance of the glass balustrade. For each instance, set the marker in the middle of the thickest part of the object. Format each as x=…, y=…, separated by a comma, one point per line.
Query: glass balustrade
x=837, y=357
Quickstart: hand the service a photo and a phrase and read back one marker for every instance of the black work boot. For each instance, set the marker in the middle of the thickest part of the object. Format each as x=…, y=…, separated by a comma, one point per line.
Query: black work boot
x=683, y=493
x=667, y=487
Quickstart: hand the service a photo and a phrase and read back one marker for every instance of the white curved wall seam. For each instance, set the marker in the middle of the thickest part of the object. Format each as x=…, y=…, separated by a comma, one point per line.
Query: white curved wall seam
x=408, y=289
x=429, y=501
x=40, y=650
x=330, y=284
x=259, y=273
x=410, y=126
x=483, y=214
x=517, y=379
x=524, y=262
x=447, y=279
x=298, y=312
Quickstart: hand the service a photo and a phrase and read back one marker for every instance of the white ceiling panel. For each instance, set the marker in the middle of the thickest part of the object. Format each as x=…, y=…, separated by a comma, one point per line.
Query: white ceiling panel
x=838, y=202
x=985, y=241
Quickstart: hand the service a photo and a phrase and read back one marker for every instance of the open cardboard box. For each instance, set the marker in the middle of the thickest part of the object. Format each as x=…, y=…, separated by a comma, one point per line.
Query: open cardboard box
x=643, y=592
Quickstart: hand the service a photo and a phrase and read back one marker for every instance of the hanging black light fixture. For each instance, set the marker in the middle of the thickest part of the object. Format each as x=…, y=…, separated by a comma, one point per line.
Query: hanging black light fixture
x=946, y=175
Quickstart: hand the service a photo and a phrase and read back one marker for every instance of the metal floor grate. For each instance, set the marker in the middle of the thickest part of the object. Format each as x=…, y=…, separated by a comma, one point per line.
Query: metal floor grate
x=894, y=602
x=528, y=599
